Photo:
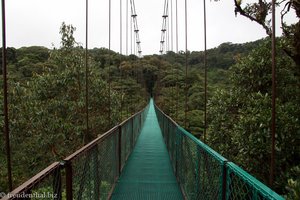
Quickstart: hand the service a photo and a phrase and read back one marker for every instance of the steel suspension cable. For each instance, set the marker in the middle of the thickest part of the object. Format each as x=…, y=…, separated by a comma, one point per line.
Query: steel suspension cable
x=121, y=41
x=177, y=78
x=162, y=31
x=136, y=29
x=109, y=63
x=168, y=28
x=134, y=45
x=176, y=26
x=133, y=16
x=186, y=68
x=5, y=99
x=121, y=24
x=164, y=38
x=172, y=25
x=173, y=70
x=131, y=32
x=127, y=27
x=86, y=72
x=205, y=72
x=273, y=129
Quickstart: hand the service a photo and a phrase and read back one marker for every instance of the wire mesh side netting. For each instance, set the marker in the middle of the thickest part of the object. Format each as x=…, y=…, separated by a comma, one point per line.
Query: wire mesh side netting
x=45, y=185
x=89, y=173
x=203, y=173
x=200, y=171
x=171, y=144
x=95, y=170
x=241, y=185
x=130, y=131
x=126, y=134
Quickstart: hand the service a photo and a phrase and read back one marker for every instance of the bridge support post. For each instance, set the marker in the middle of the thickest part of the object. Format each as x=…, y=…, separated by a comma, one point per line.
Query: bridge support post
x=96, y=177
x=119, y=151
x=57, y=190
x=132, y=138
x=69, y=180
x=176, y=152
x=198, y=175
x=140, y=123
x=224, y=180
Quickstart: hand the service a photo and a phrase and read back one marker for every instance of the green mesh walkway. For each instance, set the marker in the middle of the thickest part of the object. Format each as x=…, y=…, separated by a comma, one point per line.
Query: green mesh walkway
x=148, y=173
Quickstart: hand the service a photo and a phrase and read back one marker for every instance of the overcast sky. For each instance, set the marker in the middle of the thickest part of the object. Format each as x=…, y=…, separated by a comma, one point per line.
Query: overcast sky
x=37, y=22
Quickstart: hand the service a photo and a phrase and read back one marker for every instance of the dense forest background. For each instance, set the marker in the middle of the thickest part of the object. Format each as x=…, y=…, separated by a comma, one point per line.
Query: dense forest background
x=47, y=103
x=239, y=106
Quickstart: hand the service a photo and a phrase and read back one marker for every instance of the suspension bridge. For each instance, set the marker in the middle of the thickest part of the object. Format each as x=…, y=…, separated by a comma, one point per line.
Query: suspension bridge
x=148, y=156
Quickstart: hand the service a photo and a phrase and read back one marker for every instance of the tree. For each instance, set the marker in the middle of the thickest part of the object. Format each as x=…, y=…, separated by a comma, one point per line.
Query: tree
x=239, y=118
x=259, y=12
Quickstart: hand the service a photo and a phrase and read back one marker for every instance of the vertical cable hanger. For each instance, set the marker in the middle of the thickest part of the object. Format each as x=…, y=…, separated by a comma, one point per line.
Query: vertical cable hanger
x=273, y=129
x=168, y=28
x=172, y=25
x=121, y=26
x=173, y=107
x=127, y=27
x=205, y=73
x=109, y=63
x=121, y=43
x=5, y=99
x=134, y=44
x=131, y=33
x=176, y=26
x=86, y=71
x=186, y=68
x=177, y=76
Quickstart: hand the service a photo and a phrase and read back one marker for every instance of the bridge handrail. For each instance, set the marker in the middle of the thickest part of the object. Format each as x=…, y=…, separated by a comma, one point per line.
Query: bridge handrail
x=50, y=184
x=202, y=145
x=237, y=174
x=90, y=145
x=203, y=173
x=26, y=190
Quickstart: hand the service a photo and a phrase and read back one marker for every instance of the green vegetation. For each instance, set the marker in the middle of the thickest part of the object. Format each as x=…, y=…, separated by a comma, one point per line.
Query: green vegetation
x=239, y=117
x=47, y=102
x=170, y=88
x=239, y=106
x=239, y=109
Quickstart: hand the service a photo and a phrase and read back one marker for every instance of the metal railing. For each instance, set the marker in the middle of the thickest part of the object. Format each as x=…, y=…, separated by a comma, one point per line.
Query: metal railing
x=202, y=173
x=89, y=173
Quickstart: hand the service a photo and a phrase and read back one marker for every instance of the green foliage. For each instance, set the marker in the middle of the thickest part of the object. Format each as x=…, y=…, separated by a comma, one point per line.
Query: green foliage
x=67, y=37
x=240, y=117
x=170, y=88
x=294, y=184
x=47, y=101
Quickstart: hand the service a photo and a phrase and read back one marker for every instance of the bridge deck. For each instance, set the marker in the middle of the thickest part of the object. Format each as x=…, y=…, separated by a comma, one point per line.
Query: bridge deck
x=148, y=172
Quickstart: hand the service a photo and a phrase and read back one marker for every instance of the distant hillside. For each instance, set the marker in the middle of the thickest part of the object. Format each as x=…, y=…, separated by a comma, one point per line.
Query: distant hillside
x=222, y=56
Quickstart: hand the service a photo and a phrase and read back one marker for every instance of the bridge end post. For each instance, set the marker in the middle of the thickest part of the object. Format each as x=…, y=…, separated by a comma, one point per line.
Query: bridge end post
x=132, y=134
x=119, y=150
x=69, y=180
x=224, y=181
x=57, y=184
